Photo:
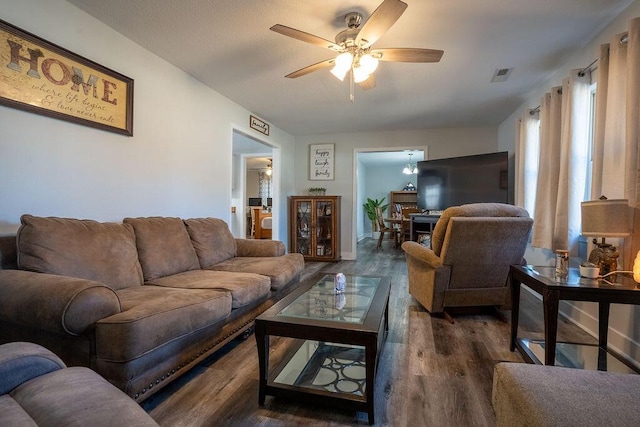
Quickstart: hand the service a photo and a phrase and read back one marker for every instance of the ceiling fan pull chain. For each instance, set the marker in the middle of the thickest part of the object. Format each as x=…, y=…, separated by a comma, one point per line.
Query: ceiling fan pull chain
x=352, y=96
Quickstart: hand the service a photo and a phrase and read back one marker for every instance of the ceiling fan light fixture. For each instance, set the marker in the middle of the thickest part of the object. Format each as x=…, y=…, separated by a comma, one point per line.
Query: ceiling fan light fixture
x=339, y=73
x=359, y=75
x=368, y=63
x=343, y=64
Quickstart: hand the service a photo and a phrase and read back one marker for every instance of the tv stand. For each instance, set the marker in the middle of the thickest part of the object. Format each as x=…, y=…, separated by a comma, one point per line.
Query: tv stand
x=422, y=222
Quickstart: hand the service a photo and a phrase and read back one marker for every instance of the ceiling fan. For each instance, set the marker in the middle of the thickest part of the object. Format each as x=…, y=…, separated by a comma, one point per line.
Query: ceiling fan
x=354, y=46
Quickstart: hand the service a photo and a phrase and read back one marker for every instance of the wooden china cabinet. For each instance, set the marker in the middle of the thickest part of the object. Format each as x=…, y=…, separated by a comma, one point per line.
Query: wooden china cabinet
x=314, y=223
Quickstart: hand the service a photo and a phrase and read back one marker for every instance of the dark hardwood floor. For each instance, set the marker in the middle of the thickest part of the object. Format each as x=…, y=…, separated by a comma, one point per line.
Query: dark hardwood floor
x=431, y=372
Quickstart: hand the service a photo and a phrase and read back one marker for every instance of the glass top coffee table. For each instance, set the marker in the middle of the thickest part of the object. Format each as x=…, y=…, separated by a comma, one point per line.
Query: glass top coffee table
x=339, y=339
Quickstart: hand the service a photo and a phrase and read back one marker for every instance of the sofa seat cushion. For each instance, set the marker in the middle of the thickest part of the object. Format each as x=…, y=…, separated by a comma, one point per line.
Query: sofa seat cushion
x=281, y=270
x=211, y=239
x=12, y=414
x=103, y=252
x=536, y=395
x=164, y=246
x=245, y=288
x=74, y=397
x=153, y=316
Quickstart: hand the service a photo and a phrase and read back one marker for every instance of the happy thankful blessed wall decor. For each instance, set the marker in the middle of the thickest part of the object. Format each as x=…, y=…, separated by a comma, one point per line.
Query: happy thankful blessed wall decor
x=43, y=78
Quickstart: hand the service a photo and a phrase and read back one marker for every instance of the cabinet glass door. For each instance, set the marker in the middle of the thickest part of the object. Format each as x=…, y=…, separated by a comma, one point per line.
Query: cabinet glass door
x=324, y=228
x=303, y=232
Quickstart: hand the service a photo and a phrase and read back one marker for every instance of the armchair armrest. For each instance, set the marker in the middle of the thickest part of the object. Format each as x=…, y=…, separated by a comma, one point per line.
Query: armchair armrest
x=422, y=254
x=259, y=248
x=23, y=361
x=54, y=303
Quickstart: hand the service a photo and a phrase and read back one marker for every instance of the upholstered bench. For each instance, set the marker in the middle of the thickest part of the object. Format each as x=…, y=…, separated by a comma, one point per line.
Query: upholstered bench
x=536, y=395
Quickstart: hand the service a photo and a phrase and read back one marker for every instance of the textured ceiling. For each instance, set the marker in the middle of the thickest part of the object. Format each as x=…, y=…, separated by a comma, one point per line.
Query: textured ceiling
x=228, y=46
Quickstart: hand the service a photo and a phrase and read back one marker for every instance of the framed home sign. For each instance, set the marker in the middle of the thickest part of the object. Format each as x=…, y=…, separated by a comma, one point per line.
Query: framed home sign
x=321, y=162
x=43, y=78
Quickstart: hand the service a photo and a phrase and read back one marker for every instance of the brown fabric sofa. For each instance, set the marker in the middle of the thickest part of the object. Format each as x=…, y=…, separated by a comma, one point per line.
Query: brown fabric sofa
x=37, y=389
x=140, y=301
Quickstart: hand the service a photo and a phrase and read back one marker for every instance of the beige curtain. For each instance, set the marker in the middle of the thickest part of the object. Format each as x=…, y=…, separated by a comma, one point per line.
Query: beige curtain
x=617, y=131
x=574, y=160
x=562, y=176
x=549, y=170
x=527, y=151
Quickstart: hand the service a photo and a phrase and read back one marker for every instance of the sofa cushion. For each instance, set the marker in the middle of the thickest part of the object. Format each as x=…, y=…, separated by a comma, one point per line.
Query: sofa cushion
x=76, y=397
x=153, y=316
x=12, y=414
x=164, y=246
x=536, y=395
x=211, y=239
x=245, y=288
x=23, y=361
x=281, y=270
x=100, y=251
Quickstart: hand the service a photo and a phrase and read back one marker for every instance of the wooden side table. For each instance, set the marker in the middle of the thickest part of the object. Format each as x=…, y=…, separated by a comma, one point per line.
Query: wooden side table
x=571, y=287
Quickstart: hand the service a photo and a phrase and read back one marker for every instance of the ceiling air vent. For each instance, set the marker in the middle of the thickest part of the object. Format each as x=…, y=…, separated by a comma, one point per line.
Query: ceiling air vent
x=501, y=74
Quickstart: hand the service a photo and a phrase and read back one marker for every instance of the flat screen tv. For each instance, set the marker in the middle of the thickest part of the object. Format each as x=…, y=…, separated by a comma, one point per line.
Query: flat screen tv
x=459, y=180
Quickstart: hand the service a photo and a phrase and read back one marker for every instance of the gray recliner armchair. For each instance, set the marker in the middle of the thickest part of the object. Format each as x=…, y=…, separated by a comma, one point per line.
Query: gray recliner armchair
x=472, y=247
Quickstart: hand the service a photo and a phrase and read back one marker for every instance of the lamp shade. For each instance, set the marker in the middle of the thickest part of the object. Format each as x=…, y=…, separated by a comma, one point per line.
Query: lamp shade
x=605, y=218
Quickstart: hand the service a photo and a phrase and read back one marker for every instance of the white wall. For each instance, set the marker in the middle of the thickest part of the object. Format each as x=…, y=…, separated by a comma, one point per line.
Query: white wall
x=440, y=143
x=623, y=335
x=178, y=163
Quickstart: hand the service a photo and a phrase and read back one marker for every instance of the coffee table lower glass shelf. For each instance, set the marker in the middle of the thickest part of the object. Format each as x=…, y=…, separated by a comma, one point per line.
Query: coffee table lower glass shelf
x=321, y=368
x=580, y=356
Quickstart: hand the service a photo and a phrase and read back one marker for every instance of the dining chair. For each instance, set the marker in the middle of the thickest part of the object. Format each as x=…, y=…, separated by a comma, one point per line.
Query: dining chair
x=405, y=225
x=384, y=228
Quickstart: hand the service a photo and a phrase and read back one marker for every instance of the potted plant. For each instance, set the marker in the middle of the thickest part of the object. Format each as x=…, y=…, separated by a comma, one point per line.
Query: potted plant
x=317, y=191
x=370, y=210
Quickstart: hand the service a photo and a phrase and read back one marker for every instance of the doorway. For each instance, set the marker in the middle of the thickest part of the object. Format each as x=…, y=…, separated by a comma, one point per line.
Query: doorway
x=253, y=158
x=377, y=172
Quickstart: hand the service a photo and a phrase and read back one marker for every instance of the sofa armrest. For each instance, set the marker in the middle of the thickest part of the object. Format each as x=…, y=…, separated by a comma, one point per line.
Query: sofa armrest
x=23, y=361
x=422, y=254
x=259, y=248
x=54, y=303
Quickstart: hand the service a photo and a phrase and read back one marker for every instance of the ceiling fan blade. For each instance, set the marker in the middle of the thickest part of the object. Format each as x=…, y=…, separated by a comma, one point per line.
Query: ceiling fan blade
x=311, y=68
x=407, y=54
x=370, y=83
x=305, y=37
x=380, y=21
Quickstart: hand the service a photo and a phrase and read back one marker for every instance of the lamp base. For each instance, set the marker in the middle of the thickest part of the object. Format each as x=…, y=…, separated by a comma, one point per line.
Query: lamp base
x=605, y=256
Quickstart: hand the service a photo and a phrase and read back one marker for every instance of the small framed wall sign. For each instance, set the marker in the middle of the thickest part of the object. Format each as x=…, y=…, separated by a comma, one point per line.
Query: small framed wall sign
x=321, y=162
x=44, y=78
x=258, y=125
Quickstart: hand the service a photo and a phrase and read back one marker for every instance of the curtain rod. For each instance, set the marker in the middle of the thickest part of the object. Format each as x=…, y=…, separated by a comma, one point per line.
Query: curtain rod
x=624, y=39
x=588, y=67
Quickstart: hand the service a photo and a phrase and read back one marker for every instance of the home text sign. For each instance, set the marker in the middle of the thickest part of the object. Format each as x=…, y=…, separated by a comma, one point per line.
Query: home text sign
x=44, y=78
x=321, y=162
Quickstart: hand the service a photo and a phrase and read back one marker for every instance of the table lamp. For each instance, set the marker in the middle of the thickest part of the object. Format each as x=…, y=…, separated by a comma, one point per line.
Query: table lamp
x=605, y=218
